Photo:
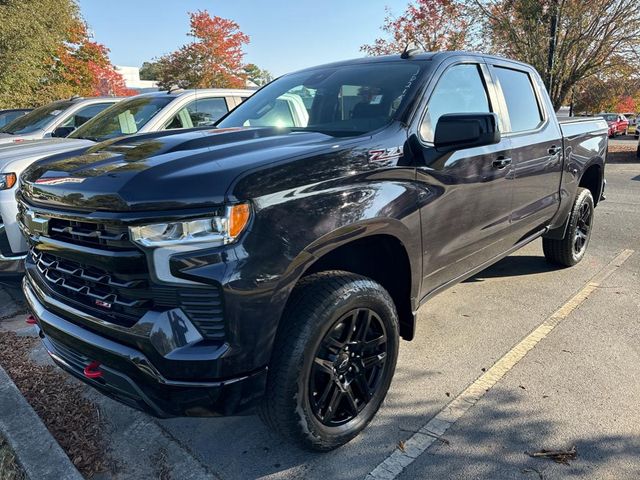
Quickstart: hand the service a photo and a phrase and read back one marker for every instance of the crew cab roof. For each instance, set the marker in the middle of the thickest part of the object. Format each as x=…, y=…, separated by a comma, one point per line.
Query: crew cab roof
x=422, y=56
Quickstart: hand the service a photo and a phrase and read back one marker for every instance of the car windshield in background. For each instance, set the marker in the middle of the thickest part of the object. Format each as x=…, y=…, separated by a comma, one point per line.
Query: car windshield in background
x=341, y=101
x=35, y=120
x=610, y=118
x=124, y=118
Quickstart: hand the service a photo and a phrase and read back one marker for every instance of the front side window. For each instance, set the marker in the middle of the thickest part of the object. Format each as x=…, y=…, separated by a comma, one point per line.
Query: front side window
x=83, y=115
x=341, y=101
x=37, y=119
x=522, y=105
x=124, y=118
x=459, y=90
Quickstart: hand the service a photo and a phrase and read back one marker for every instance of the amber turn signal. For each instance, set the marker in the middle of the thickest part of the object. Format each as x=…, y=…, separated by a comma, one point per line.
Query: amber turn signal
x=238, y=218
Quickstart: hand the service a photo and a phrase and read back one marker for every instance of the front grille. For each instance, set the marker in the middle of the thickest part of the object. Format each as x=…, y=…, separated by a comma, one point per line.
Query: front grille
x=121, y=300
x=124, y=299
x=100, y=235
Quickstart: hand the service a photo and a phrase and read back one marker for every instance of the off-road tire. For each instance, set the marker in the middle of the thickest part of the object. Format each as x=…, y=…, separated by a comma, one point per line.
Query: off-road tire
x=316, y=304
x=563, y=252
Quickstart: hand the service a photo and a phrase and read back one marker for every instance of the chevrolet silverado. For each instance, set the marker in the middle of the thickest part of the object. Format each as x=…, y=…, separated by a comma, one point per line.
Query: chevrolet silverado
x=275, y=261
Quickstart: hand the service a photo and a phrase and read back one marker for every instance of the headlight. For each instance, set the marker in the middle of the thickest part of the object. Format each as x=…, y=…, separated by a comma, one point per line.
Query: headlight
x=7, y=180
x=222, y=229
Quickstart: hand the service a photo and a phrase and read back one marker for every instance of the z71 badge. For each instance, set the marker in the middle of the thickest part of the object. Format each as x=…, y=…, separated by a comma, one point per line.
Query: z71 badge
x=392, y=153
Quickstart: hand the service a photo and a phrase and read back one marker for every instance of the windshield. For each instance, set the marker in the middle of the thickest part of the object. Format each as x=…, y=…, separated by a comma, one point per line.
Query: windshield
x=124, y=118
x=341, y=101
x=36, y=120
x=610, y=118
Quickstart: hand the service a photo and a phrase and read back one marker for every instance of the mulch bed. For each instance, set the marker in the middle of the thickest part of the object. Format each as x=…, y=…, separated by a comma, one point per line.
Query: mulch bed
x=9, y=467
x=72, y=419
x=623, y=153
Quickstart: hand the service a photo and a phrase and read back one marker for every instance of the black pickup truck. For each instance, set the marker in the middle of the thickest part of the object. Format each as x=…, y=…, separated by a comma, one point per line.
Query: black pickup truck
x=276, y=260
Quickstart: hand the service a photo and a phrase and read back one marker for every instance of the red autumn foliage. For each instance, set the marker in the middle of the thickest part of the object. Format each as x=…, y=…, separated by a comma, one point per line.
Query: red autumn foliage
x=626, y=104
x=83, y=67
x=213, y=59
x=431, y=25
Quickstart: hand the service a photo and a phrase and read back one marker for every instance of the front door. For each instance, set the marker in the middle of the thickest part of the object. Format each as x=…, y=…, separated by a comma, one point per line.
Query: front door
x=466, y=207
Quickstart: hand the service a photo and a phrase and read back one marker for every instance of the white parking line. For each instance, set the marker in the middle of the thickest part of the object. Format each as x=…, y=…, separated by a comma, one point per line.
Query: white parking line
x=418, y=443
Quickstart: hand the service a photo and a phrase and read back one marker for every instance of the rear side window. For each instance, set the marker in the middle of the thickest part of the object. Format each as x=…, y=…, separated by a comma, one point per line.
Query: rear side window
x=522, y=104
x=207, y=111
x=459, y=90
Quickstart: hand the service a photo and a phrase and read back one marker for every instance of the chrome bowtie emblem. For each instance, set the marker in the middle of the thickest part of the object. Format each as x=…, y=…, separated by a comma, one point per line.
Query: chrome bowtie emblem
x=36, y=224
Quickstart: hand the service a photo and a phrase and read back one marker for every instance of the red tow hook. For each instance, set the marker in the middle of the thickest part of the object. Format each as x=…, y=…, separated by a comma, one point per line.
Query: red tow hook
x=31, y=320
x=91, y=370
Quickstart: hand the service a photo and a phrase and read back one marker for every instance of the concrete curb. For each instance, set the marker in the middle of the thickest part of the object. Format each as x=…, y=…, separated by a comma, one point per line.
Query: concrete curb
x=37, y=451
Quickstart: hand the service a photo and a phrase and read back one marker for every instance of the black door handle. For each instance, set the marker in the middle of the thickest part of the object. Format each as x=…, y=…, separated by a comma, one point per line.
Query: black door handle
x=553, y=149
x=501, y=162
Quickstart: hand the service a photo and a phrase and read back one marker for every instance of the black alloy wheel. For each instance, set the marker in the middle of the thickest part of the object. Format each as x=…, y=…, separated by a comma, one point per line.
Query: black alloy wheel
x=348, y=367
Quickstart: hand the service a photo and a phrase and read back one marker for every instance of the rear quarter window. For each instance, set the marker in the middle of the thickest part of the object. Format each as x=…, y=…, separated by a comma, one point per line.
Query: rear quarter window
x=522, y=103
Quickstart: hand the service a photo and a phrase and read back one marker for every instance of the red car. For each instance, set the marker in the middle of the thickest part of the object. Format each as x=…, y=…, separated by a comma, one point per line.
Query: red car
x=618, y=123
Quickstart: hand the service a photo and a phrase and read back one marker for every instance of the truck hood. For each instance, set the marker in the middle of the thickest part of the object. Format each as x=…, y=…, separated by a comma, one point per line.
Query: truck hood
x=187, y=170
x=15, y=157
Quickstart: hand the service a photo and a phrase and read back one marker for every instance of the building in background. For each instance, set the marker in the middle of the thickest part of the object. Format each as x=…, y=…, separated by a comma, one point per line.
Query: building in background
x=132, y=80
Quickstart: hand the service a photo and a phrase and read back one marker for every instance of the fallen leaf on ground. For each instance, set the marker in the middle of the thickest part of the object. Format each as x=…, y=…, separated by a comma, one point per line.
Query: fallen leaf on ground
x=558, y=456
x=401, y=445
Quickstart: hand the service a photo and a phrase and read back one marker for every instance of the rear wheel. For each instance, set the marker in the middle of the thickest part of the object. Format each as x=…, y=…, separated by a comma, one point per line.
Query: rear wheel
x=333, y=360
x=572, y=248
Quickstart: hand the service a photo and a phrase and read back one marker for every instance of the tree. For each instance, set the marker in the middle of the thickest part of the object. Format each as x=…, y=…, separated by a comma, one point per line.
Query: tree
x=30, y=36
x=567, y=41
x=150, y=71
x=626, y=104
x=46, y=54
x=606, y=93
x=213, y=59
x=82, y=66
x=429, y=24
x=257, y=75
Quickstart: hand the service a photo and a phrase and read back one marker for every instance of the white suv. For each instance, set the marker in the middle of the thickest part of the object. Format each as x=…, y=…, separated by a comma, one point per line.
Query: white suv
x=149, y=112
x=55, y=119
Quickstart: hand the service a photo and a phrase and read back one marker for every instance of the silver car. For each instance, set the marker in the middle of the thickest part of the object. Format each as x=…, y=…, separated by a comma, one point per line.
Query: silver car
x=150, y=112
x=55, y=119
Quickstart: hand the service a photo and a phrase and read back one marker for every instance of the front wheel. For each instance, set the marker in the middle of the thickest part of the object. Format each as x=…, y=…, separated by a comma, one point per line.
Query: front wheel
x=572, y=248
x=333, y=360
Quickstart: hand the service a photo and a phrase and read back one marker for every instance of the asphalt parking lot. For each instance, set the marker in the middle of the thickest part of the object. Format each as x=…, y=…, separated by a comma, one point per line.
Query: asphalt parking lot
x=578, y=386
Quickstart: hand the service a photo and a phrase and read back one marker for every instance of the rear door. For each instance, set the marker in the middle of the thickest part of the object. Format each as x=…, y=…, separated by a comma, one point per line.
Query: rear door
x=536, y=146
x=466, y=222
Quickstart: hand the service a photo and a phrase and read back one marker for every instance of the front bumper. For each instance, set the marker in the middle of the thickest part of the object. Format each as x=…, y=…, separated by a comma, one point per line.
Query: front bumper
x=10, y=264
x=130, y=377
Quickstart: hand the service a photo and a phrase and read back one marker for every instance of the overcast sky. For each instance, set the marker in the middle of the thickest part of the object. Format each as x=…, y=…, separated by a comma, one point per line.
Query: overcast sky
x=285, y=35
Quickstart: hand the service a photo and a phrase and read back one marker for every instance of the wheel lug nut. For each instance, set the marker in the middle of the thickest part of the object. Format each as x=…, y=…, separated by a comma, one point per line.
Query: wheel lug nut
x=341, y=377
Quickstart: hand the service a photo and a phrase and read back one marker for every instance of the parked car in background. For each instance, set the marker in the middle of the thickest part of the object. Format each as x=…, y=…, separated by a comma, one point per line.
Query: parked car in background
x=618, y=123
x=277, y=260
x=151, y=112
x=57, y=119
x=8, y=116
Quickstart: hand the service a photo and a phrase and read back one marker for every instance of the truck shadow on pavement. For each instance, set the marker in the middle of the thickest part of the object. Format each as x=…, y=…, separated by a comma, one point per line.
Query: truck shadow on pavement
x=514, y=265
x=490, y=442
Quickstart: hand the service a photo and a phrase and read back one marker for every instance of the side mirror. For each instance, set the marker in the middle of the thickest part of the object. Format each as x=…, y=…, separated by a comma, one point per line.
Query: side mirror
x=456, y=131
x=62, y=132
